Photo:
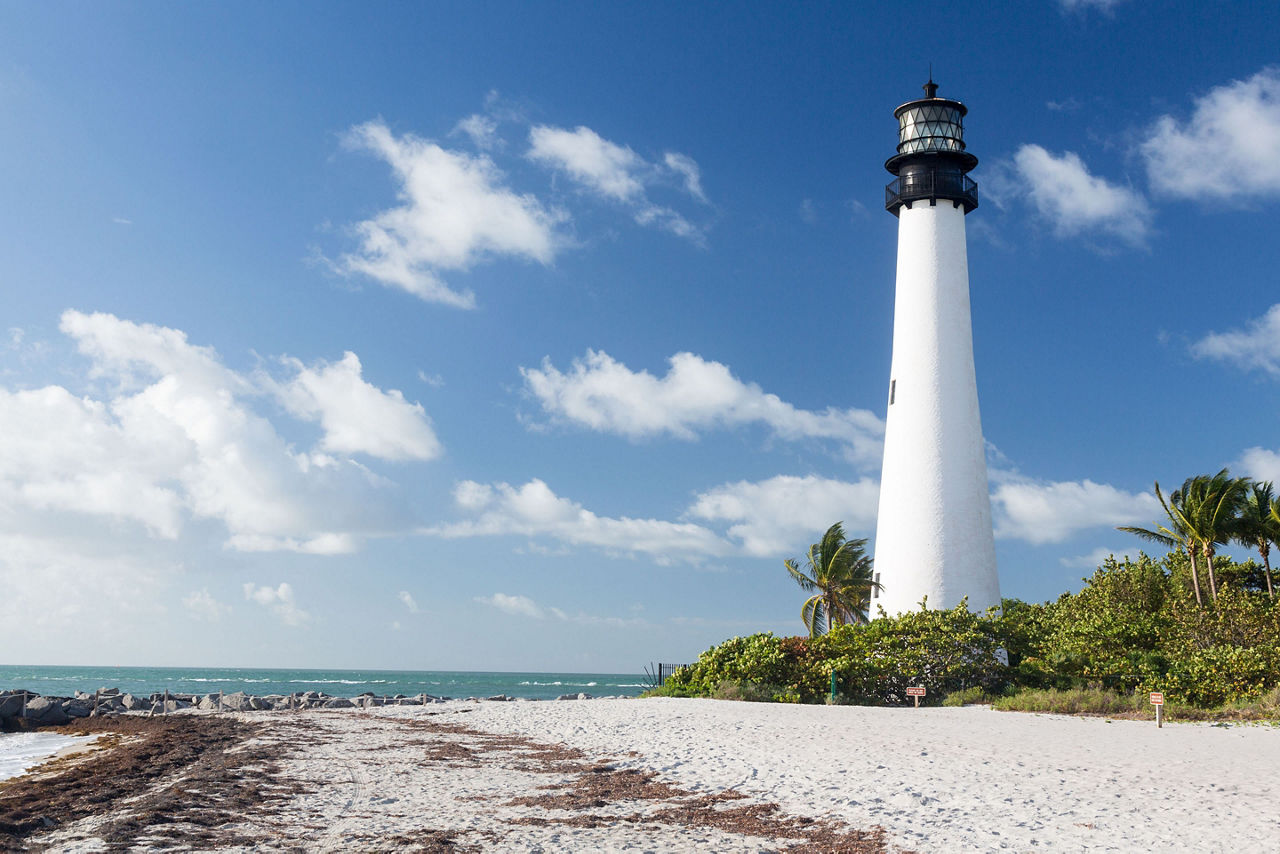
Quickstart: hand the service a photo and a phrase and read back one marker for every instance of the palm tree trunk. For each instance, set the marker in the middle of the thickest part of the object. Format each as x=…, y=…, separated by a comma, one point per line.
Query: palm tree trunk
x=1265, y=548
x=1213, y=582
x=1195, y=576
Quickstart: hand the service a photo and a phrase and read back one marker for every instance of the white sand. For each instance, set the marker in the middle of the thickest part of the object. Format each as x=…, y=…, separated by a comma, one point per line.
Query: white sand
x=936, y=779
x=967, y=779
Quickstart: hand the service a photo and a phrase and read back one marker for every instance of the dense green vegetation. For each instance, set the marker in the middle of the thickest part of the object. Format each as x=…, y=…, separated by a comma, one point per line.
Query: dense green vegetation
x=1136, y=626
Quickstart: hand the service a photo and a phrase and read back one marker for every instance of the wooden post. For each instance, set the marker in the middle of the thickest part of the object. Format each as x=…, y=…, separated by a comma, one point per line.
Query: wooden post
x=219, y=699
x=833, y=685
x=24, y=703
x=1160, y=716
x=94, y=713
x=917, y=699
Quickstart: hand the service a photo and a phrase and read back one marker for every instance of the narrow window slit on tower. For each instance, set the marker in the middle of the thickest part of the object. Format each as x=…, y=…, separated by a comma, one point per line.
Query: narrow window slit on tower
x=875, y=587
x=893, y=385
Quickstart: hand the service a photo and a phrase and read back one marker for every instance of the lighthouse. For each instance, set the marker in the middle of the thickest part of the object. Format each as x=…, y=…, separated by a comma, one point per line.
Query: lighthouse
x=933, y=530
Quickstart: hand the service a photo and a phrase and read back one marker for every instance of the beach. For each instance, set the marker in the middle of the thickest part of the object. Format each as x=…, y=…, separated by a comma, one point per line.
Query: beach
x=656, y=774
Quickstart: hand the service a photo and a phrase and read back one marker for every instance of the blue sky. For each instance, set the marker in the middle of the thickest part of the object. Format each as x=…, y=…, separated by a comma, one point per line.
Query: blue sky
x=534, y=337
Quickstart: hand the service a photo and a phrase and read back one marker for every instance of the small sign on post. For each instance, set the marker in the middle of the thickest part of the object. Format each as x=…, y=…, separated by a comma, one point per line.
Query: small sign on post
x=916, y=692
x=1157, y=700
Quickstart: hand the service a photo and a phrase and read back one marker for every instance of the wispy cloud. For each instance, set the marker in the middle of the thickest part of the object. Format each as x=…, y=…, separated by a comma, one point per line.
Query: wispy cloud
x=407, y=598
x=523, y=606
x=1071, y=199
x=617, y=173
x=534, y=510
x=1228, y=149
x=1256, y=346
x=456, y=211
x=201, y=605
x=695, y=396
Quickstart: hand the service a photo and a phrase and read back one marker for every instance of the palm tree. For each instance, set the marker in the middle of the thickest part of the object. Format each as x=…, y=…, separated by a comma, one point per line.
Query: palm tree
x=1176, y=536
x=1210, y=505
x=1259, y=524
x=839, y=570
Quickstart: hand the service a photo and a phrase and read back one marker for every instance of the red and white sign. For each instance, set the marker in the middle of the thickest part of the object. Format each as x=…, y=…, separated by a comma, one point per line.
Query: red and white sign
x=1157, y=698
x=915, y=691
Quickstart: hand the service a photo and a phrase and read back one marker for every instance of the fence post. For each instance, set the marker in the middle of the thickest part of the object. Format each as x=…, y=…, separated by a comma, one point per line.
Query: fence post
x=833, y=685
x=94, y=713
x=24, y=703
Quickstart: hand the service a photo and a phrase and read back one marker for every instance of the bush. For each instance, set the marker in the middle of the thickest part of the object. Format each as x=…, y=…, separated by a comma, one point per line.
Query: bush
x=967, y=697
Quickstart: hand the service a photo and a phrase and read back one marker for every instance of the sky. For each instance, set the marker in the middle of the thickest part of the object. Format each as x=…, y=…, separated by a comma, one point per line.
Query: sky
x=510, y=336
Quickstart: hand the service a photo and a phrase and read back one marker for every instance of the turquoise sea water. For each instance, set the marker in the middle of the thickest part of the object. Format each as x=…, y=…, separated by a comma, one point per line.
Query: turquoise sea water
x=65, y=681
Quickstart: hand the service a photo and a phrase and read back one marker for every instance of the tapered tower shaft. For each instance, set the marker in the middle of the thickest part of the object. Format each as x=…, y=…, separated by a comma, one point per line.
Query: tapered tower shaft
x=933, y=533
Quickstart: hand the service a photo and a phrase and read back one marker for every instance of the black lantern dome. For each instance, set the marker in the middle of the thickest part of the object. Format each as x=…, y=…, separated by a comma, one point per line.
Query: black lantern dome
x=931, y=162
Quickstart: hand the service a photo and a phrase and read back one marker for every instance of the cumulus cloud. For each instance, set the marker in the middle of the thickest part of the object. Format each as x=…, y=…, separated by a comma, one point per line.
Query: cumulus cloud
x=534, y=510
x=280, y=600
x=776, y=516
x=358, y=418
x=176, y=437
x=1049, y=512
x=407, y=598
x=618, y=174
x=1228, y=149
x=1257, y=346
x=201, y=605
x=455, y=212
x=696, y=395
x=1070, y=198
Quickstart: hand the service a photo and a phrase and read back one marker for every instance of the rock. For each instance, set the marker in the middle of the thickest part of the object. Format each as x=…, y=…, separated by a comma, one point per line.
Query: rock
x=109, y=692
x=567, y=697
x=584, y=696
x=237, y=702
x=47, y=711
x=338, y=703
x=208, y=703
x=499, y=698
x=10, y=705
x=131, y=703
x=79, y=708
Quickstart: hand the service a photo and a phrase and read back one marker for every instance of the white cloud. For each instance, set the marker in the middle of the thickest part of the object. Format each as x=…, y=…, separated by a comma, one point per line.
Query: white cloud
x=687, y=168
x=119, y=220
x=534, y=510
x=695, y=395
x=482, y=129
x=1072, y=200
x=177, y=437
x=775, y=517
x=1260, y=464
x=523, y=606
x=455, y=212
x=1050, y=512
x=611, y=170
x=1255, y=346
x=407, y=598
x=1228, y=149
x=280, y=600
x=358, y=418
x=617, y=173
x=520, y=606
x=201, y=605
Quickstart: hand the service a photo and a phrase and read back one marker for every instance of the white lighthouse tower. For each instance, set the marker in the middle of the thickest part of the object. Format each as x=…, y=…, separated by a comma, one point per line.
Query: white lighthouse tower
x=933, y=533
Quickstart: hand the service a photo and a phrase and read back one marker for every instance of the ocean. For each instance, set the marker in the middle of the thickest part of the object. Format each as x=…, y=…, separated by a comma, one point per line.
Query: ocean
x=65, y=681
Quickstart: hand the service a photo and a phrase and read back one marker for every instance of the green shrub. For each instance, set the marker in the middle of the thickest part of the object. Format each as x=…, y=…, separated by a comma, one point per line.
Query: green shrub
x=967, y=697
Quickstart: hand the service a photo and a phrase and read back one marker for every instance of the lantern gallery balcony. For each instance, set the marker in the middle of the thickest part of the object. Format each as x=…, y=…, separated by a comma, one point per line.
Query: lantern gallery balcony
x=931, y=185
